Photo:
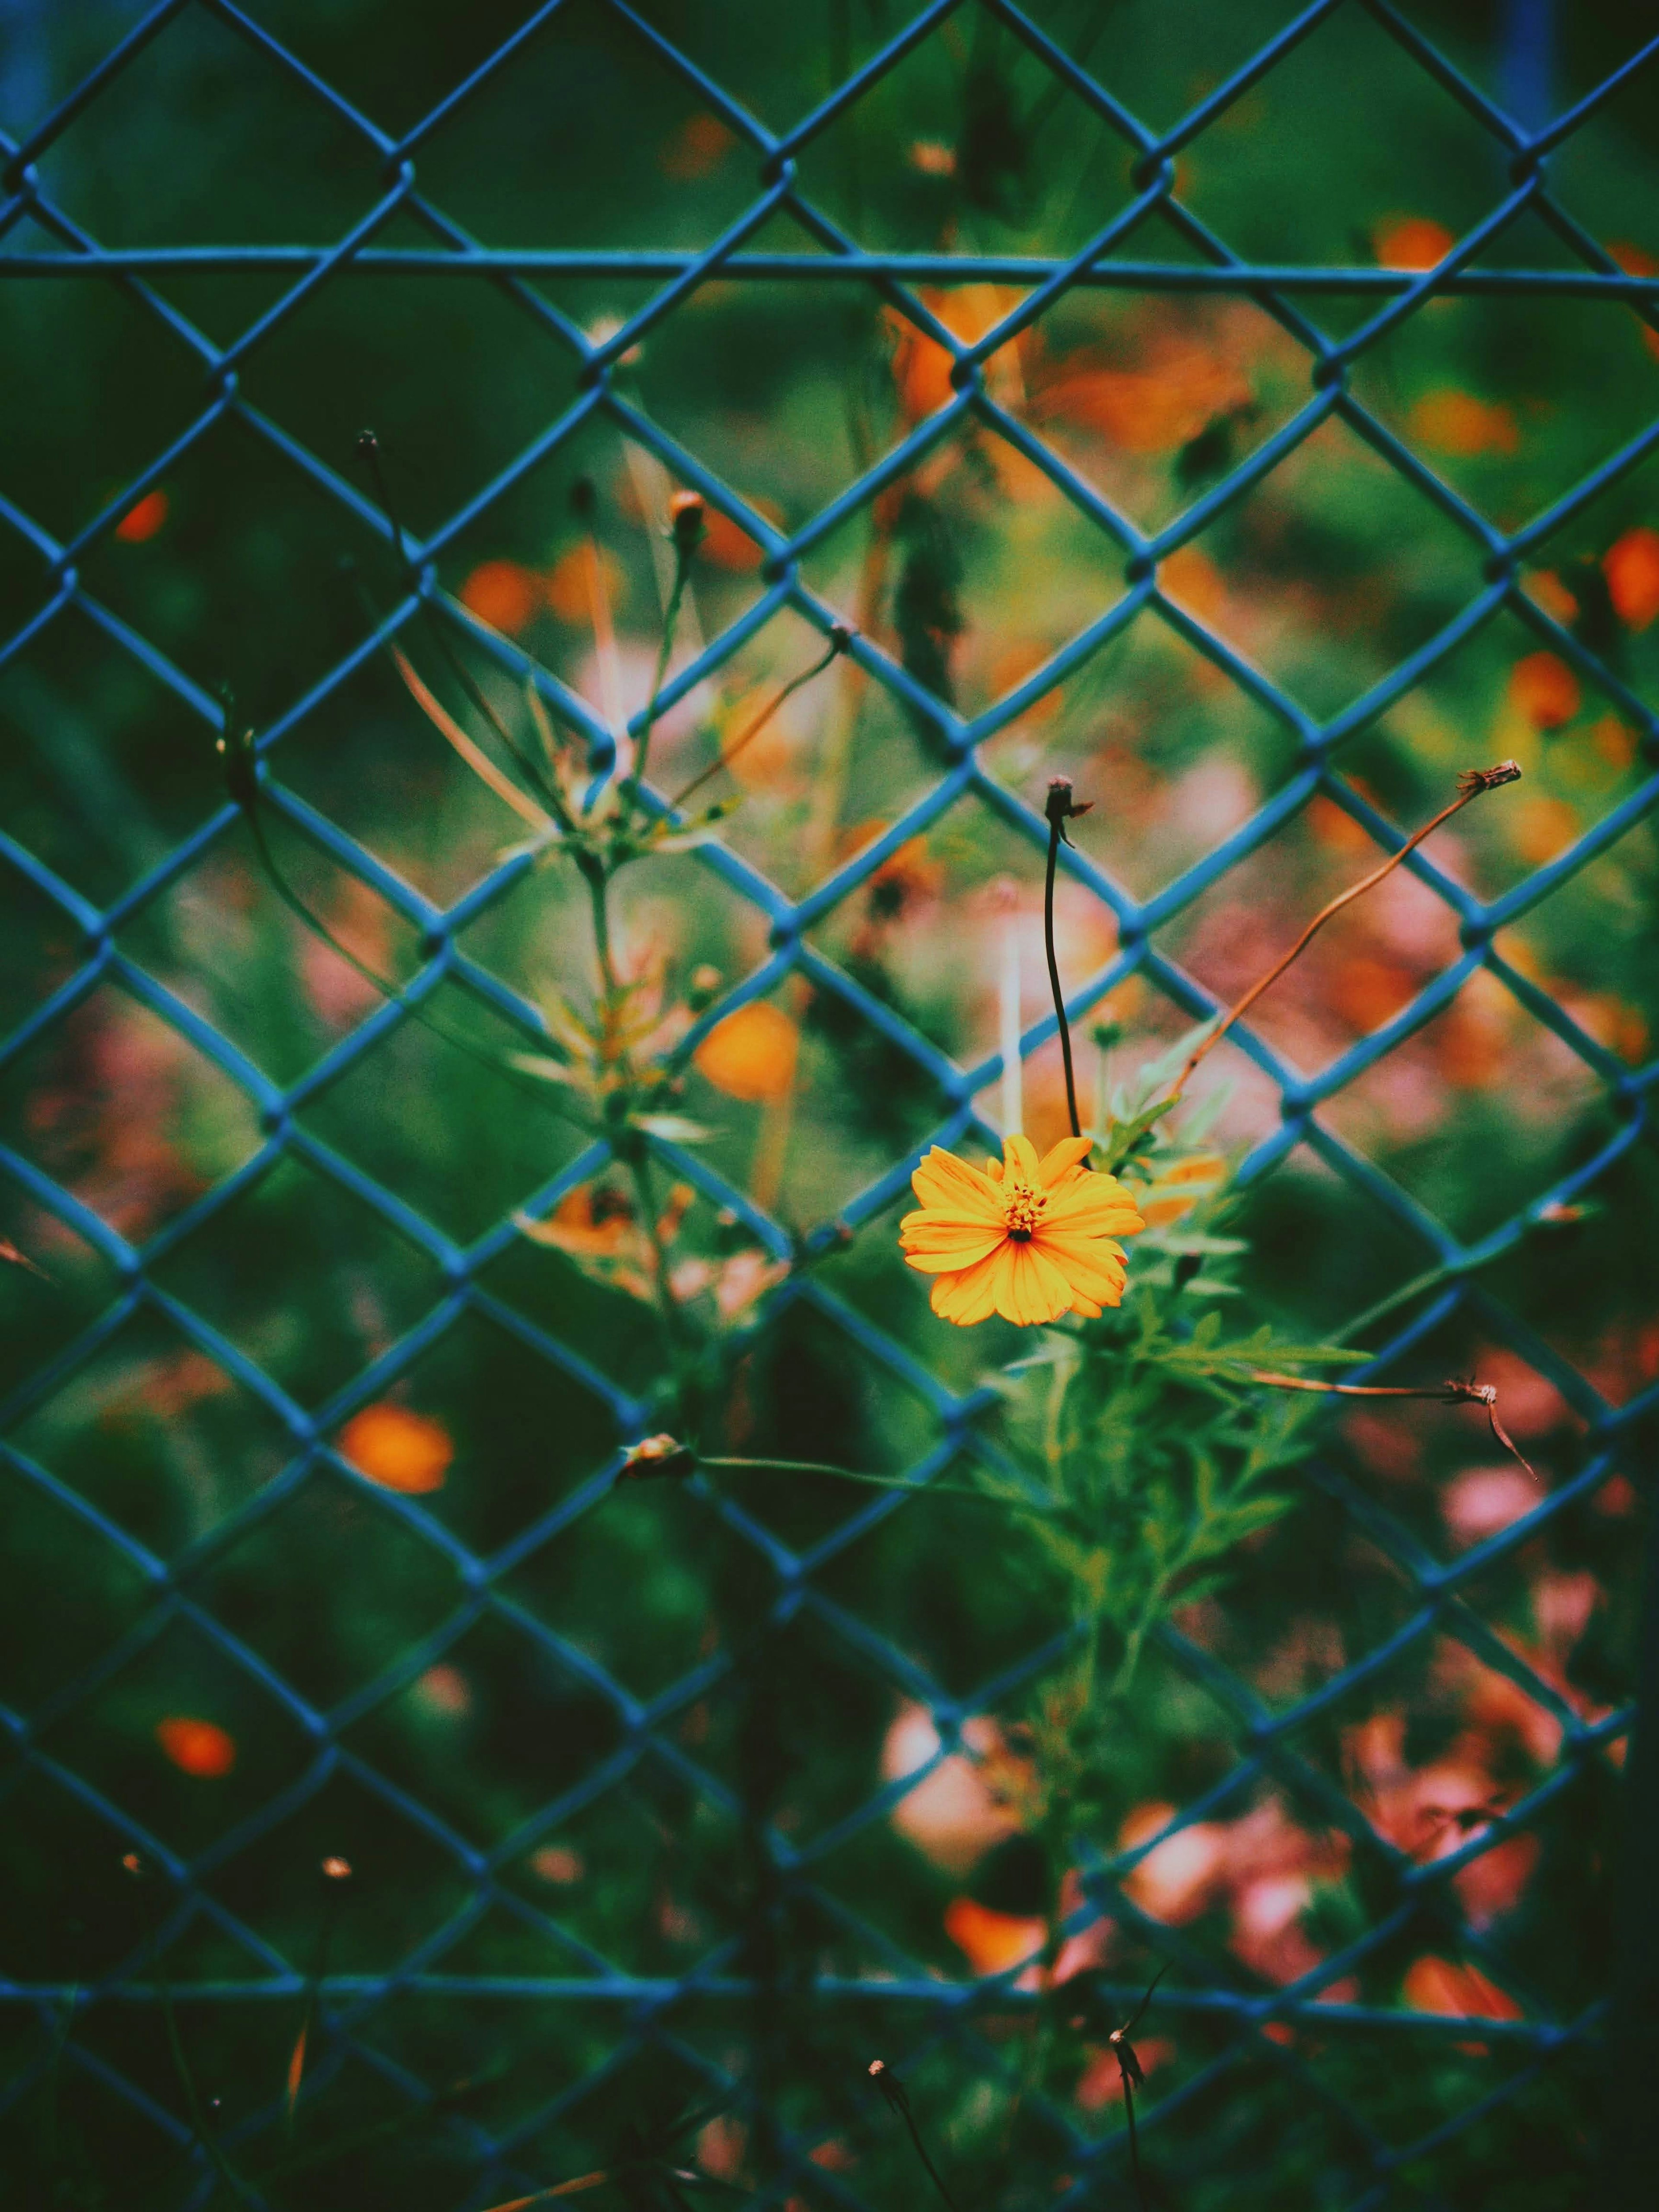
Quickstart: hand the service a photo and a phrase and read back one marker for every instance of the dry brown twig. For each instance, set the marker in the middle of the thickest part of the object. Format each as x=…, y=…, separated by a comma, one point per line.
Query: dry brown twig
x=1470, y=785
x=1452, y=1393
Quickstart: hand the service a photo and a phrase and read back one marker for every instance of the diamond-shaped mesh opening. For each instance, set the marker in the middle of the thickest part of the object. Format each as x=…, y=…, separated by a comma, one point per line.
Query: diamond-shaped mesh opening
x=688, y=1790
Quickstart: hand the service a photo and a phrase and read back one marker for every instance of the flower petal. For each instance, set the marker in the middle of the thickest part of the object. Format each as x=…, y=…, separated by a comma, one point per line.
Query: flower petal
x=1094, y=1205
x=937, y=1248
x=942, y=1180
x=1093, y=1265
x=1053, y=1167
x=972, y=1296
x=1020, y=1158
x=1034, y=1290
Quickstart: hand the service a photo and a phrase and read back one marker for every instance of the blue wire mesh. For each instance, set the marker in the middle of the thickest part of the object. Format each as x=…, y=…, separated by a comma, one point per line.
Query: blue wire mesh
x=648, y=2009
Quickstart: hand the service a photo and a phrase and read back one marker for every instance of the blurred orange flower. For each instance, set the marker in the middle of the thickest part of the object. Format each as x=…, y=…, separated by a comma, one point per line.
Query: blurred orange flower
x=993, y=1941
x=1334, y=826
x=1541, y=827
x=1458, y=422
x=696, y=148
x=1030, y=1239
x=1552, y=595
x=751, y=1054
x=1180, y=1185
x=1614, y=740
x=1636, y=261
x=557, y=1863
x=921, y=366
x=593, y=1222
x=502, y=593
x=142, y=520
x=197, y=1747
x=1101, y=2079
x=1190, y=576
x=905, y=878
x=963, y=1805
x=565, y=586
x=1368, y=993
x=398, y=1450
x=1545, y=689
x=1632, y=568
x=1152, y=408
x=1412, y=241
x=730, y=547
x=1451, y=1986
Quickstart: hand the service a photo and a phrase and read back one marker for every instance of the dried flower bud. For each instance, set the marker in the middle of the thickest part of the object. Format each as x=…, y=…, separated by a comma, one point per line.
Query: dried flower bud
x=685, y=522
x=656, y=1456
x=1060, y=807
x=889, y=2084
x=840, y=637
x=1488, y=779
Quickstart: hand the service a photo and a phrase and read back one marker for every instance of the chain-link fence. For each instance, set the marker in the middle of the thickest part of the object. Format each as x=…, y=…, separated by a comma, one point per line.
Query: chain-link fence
x=497, y=1699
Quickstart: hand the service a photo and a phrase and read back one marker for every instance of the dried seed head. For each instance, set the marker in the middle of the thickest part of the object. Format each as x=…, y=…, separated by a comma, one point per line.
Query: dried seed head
x=1488, y=779
x=1060, y=807
x=685, y=522
x=656, y=1456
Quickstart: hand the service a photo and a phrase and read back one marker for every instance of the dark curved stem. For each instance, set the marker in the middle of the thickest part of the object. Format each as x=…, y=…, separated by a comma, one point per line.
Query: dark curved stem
x=908, y=2117
x=1134, y=2142
x=1054, y=828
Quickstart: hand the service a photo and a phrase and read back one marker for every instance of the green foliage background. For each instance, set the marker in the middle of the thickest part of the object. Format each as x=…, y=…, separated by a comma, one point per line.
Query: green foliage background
x=480, y=1702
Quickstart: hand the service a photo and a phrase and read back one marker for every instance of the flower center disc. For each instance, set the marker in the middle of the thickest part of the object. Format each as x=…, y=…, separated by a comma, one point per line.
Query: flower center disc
x=1022, y=1210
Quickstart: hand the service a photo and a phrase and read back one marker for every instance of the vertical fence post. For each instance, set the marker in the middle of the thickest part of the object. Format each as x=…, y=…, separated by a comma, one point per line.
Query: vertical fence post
x=1632, y=2111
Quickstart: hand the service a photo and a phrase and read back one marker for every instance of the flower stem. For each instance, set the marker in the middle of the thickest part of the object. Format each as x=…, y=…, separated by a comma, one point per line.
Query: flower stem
x=1471, y=784
x=369, y=450
x=1442, y=1394
x=839, y=639
x=873, y=1481
x=1057, y=817
x=683, y=553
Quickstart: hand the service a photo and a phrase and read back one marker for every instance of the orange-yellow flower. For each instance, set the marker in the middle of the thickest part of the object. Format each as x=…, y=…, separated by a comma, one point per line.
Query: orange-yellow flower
x=1031, y=1239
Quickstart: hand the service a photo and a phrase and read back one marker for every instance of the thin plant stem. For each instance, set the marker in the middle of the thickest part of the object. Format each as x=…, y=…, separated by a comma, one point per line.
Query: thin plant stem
x=670, y=624
x=673, y=1319
x=898, y=2098
x=1059, y=807
x=1134, y=2142
x=475, y=757
x=320, y=930
x=872, y=1482
x=1471, y=784
x=840, y=640
x=1444, y=1394
x=335, y=1873
x=598, y=615
x=200, y=2127
x=369, y=449
x=594, y=875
